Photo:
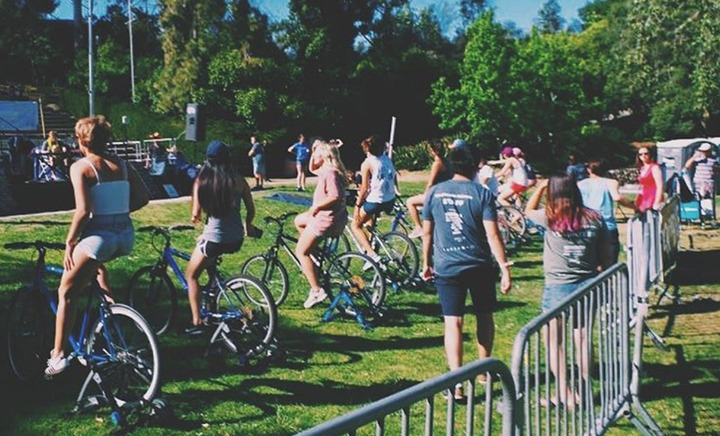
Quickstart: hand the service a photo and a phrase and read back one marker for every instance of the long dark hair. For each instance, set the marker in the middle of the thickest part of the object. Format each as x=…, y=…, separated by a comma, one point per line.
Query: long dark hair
x=217, y=188
x=564, y=208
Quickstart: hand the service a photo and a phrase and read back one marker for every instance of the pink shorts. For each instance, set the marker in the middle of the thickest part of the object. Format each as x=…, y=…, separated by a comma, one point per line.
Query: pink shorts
x=325, y=226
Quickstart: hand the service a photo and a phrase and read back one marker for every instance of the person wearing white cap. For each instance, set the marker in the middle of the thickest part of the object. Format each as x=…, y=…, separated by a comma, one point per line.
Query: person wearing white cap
x=706, y=169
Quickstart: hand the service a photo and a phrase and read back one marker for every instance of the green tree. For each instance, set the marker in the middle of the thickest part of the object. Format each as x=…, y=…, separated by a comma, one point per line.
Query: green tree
x=549, y=19
x=25, y=45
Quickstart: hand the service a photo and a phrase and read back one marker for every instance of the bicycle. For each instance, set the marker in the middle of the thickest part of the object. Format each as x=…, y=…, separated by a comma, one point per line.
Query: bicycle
x=240, y=309
x=512, y=224
x=352, y=288
x=399, y=256
x=114, y=341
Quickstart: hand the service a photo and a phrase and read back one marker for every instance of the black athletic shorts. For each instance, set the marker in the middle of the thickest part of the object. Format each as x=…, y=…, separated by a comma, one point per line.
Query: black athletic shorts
x=479, y=281
x=211, y=249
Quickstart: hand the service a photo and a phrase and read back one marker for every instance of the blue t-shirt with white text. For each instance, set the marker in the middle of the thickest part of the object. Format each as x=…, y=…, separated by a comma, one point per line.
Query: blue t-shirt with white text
x=457, y=210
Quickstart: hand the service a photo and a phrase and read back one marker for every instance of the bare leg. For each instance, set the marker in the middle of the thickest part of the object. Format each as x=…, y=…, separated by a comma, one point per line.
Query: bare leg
x=298, y=180
x=505, y=195
x=485, y=334
x=413, y=204
x=356, y=227
x=194, y=269
x=301, y=221
x=104, y=282
x=306, y=243
x=303, y=176
x=453, y=341
x=71, y=283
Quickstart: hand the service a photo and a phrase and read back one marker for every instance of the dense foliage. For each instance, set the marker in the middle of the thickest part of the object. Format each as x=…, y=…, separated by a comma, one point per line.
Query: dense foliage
x=627, y=70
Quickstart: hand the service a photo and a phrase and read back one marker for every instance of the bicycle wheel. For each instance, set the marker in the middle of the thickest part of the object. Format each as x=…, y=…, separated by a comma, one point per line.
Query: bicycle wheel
x=272, y=273
x=129, y=346
x=358, y=275
x=29, y=334
x=514, y=219
x=400, y=256
x=152, y=293
x=249, y=311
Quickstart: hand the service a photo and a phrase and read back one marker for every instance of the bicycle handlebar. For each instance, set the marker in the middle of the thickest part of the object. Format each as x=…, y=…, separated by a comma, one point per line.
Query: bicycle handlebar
x=279, y=220
x=39, y=245
x=156, y=229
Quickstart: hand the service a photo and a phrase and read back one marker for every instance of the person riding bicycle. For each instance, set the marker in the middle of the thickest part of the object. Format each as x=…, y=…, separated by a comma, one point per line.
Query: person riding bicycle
x=326, y=217
x=439, y=172
x=518, y=180
x=217, y=192
x=106, y=190
x=376, y=193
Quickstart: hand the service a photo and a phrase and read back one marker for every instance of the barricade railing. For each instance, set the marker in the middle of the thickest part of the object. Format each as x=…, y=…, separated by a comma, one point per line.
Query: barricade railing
x=128, y=150
x=553, y=355
x=420, y=400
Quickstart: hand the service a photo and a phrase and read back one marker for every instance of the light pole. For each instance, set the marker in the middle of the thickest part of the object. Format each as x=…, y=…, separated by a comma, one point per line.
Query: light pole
x=132, y=56
x=91, y=86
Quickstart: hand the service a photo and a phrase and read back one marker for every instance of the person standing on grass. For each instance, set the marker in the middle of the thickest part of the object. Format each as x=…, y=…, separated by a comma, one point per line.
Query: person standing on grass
x=302, y=156
x=327, y=216
x=599, y=194
x=576, y=248
x=217, y=192
x=257, y=153
x=439, y=172
x=460, y=238
x=106, y=190
x=650, y=179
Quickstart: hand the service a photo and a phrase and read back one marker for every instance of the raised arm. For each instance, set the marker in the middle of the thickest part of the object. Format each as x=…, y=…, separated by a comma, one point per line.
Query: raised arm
x=535, y=199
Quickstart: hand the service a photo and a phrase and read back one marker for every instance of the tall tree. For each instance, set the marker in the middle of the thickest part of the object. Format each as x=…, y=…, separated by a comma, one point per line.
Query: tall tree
x=25, y=47
x=549, y=19
x=470, y=10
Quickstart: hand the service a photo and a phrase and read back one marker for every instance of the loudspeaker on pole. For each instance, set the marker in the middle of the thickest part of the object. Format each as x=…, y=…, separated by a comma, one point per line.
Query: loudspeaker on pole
x=194, y=122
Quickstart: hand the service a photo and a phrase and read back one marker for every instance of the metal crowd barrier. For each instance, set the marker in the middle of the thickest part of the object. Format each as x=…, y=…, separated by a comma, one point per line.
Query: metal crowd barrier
x=128, y=150
x=559, y=392
x=421, y=398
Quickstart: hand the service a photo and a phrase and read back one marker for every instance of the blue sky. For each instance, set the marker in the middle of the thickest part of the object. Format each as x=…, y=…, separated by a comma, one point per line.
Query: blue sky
x=522, y=12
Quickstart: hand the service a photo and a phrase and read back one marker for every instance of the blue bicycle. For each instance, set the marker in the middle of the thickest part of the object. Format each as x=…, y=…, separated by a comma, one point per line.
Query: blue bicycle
x=240, y=310
x=114, y=341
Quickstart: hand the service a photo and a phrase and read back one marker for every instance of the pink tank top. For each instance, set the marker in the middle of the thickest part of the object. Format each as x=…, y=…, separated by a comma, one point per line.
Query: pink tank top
x=645, y=200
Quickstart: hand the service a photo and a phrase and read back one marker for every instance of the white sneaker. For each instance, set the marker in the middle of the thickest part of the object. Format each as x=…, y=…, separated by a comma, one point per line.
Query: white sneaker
x=56, y=365
x=416, y=233
x=314, y=297
x=369, y=265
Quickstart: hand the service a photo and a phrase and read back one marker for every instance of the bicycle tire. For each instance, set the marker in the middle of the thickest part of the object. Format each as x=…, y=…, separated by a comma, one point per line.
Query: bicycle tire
x=152, y=294
x=29, y=334
x=272, y=273
x=133, y=374
x=401, y=257
x=251, y=326
x=348, y=271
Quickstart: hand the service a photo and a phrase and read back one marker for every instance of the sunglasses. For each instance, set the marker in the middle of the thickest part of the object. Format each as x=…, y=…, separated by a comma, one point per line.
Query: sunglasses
x=644, y=154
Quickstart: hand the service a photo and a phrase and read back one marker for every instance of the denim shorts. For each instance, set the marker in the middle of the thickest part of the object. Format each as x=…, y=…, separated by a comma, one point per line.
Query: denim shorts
x=259, y=167
x=479, y=281
x=107, y=237
x=556, y=294
x=377, y=208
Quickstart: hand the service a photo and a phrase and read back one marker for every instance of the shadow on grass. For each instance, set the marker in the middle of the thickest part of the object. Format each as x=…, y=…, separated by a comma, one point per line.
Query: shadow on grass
x=697, y=268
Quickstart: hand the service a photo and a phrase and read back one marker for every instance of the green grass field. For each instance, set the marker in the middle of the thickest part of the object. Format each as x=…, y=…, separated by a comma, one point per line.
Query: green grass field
x=332, y=368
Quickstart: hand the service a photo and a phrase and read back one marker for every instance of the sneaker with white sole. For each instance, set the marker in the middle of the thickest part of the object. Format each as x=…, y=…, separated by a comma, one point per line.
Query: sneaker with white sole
x=56, y=365
x=314, y=297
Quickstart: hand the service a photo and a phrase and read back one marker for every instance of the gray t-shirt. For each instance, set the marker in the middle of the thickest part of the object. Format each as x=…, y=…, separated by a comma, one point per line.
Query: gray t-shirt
x=258, y=153
x=458, y=209
x=571, y=257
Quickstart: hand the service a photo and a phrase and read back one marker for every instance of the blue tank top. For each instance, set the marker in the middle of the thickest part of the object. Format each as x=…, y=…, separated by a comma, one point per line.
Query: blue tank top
x=596, y=196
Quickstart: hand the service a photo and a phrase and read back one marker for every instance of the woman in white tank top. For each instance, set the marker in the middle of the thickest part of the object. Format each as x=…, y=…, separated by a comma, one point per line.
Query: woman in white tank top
x=376, y=193
x=106, y=191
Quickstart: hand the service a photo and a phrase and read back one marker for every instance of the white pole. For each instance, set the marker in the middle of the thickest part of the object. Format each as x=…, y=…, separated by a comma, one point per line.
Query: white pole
x=132, y=55
x=392, y=137
x=91, y=86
